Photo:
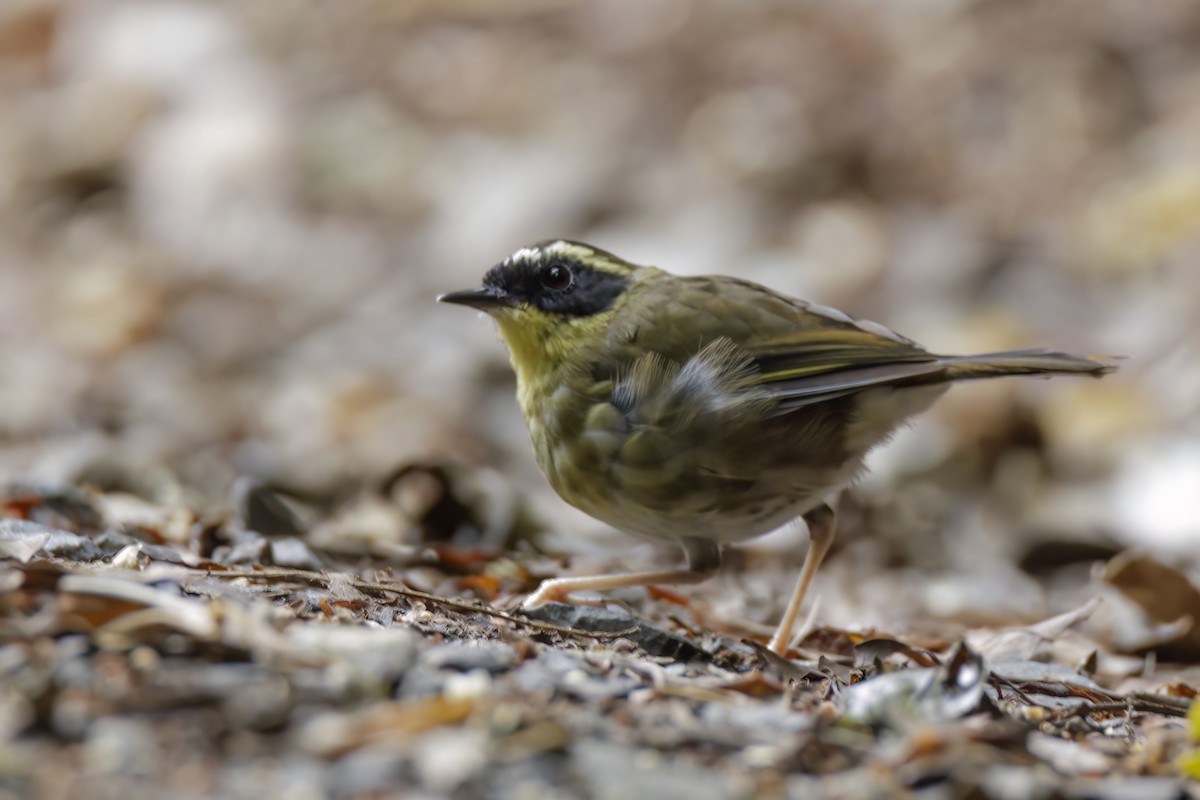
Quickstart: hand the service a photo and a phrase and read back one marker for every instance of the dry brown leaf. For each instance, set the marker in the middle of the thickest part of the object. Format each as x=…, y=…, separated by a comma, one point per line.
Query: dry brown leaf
x=1026, y=642
x=1165, y=594
x=336, y=734
x=117, y=609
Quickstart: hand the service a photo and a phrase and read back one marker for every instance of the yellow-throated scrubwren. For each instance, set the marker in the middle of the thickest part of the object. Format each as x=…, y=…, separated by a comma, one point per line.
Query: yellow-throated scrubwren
x=705, y=410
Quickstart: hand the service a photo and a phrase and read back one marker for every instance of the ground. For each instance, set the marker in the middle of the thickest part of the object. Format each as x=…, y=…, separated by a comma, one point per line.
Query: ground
x=205, y=659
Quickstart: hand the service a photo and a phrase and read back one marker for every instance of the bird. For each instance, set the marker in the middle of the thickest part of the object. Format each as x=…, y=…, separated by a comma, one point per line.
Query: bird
x=706, y=410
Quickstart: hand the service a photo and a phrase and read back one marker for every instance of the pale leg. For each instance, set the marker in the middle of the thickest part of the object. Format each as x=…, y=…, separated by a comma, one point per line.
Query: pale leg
x=820, y=531
x=558, y=589
x=704, y=557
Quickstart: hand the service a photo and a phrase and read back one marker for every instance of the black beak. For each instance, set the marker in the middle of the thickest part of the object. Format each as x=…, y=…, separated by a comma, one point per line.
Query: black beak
x=483, y=299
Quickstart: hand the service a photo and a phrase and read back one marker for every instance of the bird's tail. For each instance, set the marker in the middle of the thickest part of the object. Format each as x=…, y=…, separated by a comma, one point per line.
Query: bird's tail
x=1023, y=362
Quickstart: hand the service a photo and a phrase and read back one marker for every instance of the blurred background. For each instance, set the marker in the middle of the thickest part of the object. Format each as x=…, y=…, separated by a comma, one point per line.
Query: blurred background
x=223, y=224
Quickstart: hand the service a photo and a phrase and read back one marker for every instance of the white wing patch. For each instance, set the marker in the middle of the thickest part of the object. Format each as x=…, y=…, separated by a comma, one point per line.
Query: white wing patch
x=862, y=324
x=830, y=312
x=880, y=330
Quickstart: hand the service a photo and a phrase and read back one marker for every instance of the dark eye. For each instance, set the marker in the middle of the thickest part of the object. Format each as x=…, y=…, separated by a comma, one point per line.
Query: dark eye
x=556, y=277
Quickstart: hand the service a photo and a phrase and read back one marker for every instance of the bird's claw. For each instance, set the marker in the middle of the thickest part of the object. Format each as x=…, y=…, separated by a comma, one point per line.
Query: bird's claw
x=550, y=591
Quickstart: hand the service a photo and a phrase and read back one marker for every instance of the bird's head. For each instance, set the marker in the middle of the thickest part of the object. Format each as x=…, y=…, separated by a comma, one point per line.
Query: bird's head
x=551, y=300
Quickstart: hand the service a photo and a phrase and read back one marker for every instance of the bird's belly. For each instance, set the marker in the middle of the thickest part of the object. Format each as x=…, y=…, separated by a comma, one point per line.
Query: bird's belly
x=707, y=512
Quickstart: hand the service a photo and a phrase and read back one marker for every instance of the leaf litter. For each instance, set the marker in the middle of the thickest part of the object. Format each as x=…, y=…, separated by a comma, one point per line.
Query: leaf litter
x=354, y=669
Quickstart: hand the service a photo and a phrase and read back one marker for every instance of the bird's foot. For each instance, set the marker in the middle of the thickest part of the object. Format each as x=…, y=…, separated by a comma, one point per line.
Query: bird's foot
x=555, y=590
x=781, y=641
x=558, y=590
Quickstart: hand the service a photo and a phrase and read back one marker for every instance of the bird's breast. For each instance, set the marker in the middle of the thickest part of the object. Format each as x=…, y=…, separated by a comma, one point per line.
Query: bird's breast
x=556, y=408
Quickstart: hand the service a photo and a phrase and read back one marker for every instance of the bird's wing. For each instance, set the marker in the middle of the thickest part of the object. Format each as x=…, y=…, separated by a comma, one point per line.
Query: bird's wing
x=703, y=375
x=812, y=366
x=802, y=353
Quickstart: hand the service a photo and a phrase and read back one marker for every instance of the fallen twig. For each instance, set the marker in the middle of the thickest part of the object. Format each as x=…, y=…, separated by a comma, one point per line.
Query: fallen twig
x=1143, y=704
x=321, y=579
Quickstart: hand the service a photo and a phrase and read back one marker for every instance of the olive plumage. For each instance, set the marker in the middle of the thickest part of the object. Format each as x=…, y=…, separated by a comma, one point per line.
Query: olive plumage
x=705, y=410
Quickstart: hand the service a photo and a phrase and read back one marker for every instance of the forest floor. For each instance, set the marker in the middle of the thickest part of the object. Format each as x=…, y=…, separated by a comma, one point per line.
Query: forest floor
x=196, y=657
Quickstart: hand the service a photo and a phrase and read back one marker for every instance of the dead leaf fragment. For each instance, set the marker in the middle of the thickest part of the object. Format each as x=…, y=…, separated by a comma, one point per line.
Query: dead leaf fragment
x=1165, y=594
x=930, y=694
x=1026, y=642
x=334, y=735
x=20, y=539
x=117, y=609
